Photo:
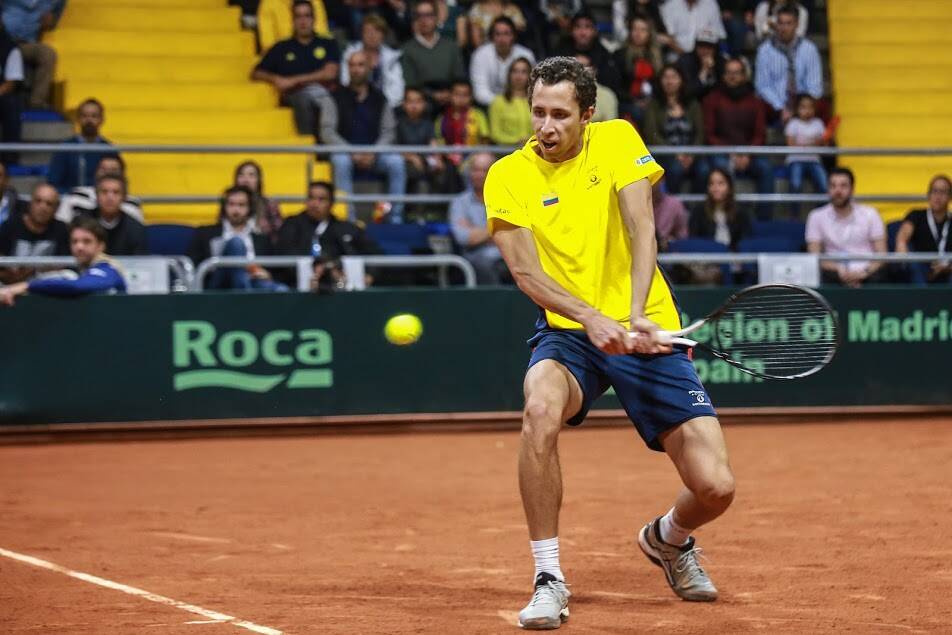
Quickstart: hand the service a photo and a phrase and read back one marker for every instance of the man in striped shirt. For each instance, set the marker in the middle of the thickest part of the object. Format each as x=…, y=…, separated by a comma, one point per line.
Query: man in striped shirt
x=787, y=65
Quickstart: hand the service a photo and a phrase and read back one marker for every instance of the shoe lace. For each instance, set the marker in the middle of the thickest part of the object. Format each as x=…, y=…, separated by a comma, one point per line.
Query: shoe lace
x=688, y=562
x=544, y=593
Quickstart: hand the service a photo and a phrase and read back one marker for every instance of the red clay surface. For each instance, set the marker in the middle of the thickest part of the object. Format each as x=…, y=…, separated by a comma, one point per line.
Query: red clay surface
x=840, y=527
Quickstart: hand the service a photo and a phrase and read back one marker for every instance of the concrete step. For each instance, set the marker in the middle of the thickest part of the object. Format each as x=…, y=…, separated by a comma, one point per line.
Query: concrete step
x=47, y=131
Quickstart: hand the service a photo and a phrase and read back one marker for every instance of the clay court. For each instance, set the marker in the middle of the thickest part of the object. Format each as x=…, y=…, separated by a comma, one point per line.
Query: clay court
x=836, y=527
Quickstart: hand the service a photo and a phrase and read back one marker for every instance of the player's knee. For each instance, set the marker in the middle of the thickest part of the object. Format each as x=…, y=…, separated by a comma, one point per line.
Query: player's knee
x=541, y=421
x=717, y=492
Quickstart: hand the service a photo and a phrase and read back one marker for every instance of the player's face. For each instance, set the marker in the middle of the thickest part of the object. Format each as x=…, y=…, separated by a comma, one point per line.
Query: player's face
x=939, y=195
x=840, y=190
x=84, y=246
x=237, y=208
x=557, y=121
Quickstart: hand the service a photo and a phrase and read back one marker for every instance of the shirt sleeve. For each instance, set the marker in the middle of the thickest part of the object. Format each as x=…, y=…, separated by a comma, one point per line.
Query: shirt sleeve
x=631, y=160
x=270, y=62
x=96, y=279
x=501, y=202
x=813, y=233
x=877, y=230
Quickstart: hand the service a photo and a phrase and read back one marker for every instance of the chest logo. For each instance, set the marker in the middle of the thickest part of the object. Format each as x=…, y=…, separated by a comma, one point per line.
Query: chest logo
x=550, y=199
x=290, y=57
x=593, y=178
x=320, y=53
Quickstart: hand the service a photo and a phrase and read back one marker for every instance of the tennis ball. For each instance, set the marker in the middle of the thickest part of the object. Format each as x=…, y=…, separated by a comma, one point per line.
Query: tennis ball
x=403, y=329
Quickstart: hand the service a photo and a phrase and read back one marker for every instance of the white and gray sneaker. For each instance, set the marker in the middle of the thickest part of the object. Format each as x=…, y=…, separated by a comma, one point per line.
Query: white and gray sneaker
x=549, y=606
x=680, y=564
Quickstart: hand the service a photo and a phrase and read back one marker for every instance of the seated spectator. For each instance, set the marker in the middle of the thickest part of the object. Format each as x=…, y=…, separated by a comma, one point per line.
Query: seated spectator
x=34, y=233
x=72, y=169
x=430, y=61
x=787, y=65
x=490, y=63
x=510, y=121
x=25, y=20
x=928, y=230
x=685, y=19
x=10, y=203
x=558, y=21
x=82, y=198
x=624, y=11
x=125, y=236
x=674, y=119
x=638, y=62
x=97, y=272
x=720, y=219
x=606, y=103
x=360, y=115
x=844, y=227
x=738, y=19
x=467, y=218
x=484, y=13
x=415, y=127
x=236, y=235
x=734, y=116
x=265, y=212
x=765, y=18
x=451, y=23
x=386, y=73
x=303, y=69
x=11, y=73
x=805, y=130
x=584, y=40
x=670, y=216
x=316, y=232
x=461, y=124
x=702, y=67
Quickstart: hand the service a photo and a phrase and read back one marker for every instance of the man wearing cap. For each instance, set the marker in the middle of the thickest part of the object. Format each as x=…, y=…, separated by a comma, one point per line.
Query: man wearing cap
x=703, y=66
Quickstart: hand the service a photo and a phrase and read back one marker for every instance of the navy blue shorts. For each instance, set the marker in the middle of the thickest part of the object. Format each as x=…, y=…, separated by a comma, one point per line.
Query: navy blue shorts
x=659, y=392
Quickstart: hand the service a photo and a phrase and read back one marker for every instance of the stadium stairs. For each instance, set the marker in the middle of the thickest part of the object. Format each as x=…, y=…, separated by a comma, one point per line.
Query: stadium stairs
x=176, y=72
x=892, y=84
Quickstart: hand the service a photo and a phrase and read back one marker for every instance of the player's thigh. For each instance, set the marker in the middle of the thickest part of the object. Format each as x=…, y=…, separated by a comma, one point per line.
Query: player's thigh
x=699, y=452
x=552, y=392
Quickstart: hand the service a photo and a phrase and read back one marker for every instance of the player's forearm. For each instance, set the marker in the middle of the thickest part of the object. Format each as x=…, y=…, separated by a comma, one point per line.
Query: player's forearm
x=550, y=295
x=637, y=211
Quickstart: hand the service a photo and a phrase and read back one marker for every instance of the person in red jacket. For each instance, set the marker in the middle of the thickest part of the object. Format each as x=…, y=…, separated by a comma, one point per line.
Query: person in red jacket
x=735, y=116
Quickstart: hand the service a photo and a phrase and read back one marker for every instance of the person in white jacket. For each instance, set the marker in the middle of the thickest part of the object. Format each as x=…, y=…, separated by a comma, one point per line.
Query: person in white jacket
x=386, y=73
x=489, y=66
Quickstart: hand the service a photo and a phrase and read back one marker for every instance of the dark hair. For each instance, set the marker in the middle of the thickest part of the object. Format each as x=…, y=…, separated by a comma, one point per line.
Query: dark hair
x=803, y=96
x=507, y=94
x=553, y=70
x=327, y=185
x=786, y=9
x=730, y=204
x=848, y=173
x=91, y=101
x=302, y=3
x=583, y=15
x=416, y=5
x=236, y=189
x=683, y=95
x=940, y=177
x=89, y=224
x=113, y=157
x=114, y=176
x=502, y=20
x=257, y=167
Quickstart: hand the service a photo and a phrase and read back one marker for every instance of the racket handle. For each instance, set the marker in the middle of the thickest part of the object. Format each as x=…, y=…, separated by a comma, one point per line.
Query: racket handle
x=683, y=341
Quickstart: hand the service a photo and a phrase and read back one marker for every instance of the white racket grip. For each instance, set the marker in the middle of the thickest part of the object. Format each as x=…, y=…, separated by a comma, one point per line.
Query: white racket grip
x=683, y=341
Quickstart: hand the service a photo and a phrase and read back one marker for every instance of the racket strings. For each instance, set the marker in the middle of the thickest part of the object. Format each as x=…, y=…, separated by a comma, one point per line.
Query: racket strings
x=777, y=331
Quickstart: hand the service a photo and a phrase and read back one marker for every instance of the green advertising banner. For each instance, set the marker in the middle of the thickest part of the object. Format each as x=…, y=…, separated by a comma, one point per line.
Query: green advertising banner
x=213, y=356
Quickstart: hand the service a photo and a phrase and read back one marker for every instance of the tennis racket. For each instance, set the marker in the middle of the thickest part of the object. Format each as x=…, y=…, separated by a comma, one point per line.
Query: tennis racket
x=772, y=331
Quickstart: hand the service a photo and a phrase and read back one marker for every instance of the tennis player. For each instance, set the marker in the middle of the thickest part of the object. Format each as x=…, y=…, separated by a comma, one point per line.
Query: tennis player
x=571, y=213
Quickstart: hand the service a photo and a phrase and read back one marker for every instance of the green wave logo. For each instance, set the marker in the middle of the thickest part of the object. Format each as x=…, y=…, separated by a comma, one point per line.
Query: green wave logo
x=226, y=379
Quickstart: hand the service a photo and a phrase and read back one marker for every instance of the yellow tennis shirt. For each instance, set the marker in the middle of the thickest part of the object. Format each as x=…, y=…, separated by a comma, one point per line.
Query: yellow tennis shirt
x=572, y=210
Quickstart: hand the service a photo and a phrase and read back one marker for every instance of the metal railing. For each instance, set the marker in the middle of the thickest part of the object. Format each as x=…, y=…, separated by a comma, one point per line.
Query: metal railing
x=304, y=263
x=181, y=266
x=748, y=258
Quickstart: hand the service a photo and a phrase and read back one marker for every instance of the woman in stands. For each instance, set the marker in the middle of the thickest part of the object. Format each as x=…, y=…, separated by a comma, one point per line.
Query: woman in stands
x=719, y=220
x=266, y=213
x=674, y=119
x=510, y=122
x=638, y=61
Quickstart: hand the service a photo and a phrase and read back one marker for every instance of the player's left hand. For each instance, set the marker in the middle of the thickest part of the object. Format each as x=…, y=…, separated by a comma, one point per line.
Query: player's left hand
x=647, y=339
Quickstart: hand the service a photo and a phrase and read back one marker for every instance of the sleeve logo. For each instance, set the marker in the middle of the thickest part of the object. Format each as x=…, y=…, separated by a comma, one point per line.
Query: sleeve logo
x=645, y=159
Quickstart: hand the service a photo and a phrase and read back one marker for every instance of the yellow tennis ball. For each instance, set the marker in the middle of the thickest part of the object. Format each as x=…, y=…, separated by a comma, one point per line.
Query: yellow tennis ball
x=403, y=329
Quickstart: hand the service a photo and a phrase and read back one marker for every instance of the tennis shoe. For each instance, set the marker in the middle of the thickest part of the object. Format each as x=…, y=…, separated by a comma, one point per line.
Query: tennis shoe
x=549, y=606
x=681, y=568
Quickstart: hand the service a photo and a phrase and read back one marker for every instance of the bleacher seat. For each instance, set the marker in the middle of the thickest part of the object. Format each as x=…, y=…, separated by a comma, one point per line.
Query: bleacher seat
x=400, y=240
x=168, y=240
x=701, y=246
x=791, y=230
x=764, y=244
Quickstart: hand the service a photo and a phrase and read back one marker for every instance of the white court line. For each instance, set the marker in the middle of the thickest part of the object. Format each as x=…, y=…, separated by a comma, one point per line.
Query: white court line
x=146, y=595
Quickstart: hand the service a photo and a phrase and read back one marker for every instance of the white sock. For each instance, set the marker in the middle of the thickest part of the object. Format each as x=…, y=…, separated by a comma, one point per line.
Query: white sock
x=546, y=554
x=671, y=532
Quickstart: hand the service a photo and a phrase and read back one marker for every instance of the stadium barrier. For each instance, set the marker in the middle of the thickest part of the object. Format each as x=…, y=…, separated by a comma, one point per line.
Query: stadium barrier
x=143, y=274
x=220, y=356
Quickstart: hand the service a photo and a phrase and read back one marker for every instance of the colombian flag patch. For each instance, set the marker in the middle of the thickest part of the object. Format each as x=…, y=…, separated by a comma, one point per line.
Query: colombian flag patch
x=550, y=199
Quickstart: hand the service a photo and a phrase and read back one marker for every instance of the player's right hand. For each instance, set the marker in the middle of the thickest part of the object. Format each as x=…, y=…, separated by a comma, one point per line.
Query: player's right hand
x=607, y=335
